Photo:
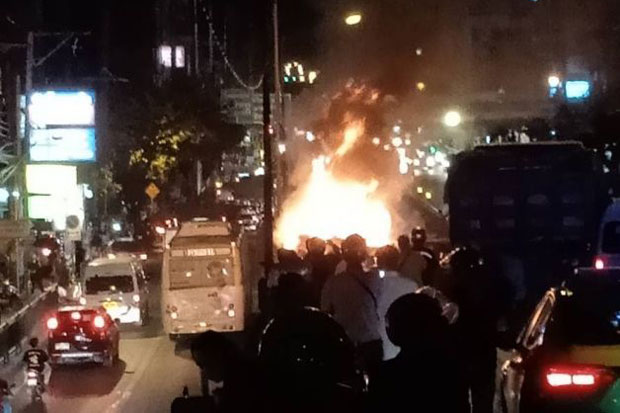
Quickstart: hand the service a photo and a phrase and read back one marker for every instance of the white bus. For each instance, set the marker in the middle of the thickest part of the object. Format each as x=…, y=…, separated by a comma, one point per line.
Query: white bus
x=202, y=283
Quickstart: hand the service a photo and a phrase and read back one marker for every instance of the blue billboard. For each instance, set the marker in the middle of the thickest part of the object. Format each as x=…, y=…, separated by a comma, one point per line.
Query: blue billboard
x=62, y=125
x=577, y=89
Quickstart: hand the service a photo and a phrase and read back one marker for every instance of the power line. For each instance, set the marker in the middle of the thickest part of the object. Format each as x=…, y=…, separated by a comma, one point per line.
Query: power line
x=227, y=62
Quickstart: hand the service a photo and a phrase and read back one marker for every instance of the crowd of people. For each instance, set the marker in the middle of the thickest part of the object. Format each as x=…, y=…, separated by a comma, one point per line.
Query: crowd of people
x=345, y=330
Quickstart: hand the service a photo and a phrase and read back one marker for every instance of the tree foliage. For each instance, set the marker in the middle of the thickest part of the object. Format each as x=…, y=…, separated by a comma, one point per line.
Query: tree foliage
x=160, y=133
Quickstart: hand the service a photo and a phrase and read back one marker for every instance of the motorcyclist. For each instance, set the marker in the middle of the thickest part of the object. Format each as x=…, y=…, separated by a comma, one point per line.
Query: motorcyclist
x=309, y=364
x=37, y=359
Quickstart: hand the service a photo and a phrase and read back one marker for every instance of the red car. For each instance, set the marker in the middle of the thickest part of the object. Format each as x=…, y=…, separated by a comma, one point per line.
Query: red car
x=81, y=335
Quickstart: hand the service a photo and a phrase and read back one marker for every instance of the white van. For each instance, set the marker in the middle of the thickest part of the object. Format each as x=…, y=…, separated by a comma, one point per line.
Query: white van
x=608, y=245
x=118, y=285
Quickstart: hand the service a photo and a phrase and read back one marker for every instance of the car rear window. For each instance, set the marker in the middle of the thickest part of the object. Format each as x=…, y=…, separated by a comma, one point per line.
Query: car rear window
x=611, y=238
x=127, y=246
x=588, y=314
x=109, y=283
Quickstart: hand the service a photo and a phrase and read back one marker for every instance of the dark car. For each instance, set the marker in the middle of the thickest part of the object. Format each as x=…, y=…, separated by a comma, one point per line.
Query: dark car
x=81, y=335
x=567, y=358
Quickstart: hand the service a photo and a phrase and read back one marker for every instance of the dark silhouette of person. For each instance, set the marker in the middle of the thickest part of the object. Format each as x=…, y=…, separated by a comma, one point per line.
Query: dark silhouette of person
x=418, y=242
x=321, y=265
x=233, y=377
x=424, y=376
x=293, y=292
x=352, y=298
x=308, y=365
x=479, y=295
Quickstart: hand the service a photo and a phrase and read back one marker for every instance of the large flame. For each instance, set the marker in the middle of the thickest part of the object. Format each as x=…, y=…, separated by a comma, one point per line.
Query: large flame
x=329, y=208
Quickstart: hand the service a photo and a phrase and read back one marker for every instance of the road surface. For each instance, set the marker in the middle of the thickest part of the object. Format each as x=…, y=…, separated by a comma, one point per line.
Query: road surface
x=150, y=374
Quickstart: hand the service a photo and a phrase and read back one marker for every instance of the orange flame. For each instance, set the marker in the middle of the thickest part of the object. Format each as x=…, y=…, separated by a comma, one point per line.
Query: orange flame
x=329, y=208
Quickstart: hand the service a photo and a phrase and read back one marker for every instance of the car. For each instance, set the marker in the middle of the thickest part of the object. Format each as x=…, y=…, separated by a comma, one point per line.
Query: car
x=567, y=357
x=78, y=334
x=120, y=286
x=128, y=246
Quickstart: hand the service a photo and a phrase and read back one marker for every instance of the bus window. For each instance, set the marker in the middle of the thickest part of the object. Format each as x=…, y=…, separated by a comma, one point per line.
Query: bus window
x=211, y=272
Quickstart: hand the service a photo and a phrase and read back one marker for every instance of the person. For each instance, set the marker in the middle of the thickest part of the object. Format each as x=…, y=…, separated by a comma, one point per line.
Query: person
x=288, y=262
x=293, y=292
x=321, y=266
x=5, y=393
x=308, y=364
x=352, y=298
x=411, y=264
x=394, y=286
x=422, y=377
x=480, y=300
x=229, y=381
x=418, y=242
x=37, y=359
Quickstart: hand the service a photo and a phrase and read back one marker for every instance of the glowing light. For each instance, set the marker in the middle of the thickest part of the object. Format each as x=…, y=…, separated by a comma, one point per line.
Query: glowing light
x=553, y=81
x=117, y=227
x=418, y=51
x=52, y=323
x=160, y=230
x=99, y=321
x=397, y=141
x=416, y=162
x=46, y=252
x=376, y=141
x=408, y=142
x=351, y=133
x=430, y=162
x=218, y=184
x=420, y=190
x=386, y=147
x=353, y=19
x=75, y=315
x=420, y=86
x=281, y=148
x=452, y=119
x=312, y=75
x=310, y=136
x=259, y=171
x=428, y=195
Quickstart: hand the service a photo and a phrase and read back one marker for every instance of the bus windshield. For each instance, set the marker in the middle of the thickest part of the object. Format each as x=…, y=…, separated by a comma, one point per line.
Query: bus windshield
x=113, y=283
x=200, y=272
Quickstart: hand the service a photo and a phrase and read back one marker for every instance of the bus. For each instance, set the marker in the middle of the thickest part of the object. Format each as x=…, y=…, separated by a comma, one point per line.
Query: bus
x=202, y=282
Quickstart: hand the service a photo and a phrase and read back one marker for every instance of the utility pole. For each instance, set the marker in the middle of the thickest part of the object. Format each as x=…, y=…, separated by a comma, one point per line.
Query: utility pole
x=211, y=40
x=278, y=123
x=196, y=38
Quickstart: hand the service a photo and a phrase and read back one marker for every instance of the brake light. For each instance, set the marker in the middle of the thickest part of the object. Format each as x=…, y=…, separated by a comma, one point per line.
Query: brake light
x=577, y=379
x=99, y=321
x=52, y=323
x=599, y=264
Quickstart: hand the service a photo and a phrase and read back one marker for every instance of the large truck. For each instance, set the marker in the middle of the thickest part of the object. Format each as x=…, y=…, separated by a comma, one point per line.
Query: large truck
x=538, y=203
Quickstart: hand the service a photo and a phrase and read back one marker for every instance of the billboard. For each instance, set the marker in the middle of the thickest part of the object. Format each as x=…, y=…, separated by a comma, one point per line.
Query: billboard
x=62, y=125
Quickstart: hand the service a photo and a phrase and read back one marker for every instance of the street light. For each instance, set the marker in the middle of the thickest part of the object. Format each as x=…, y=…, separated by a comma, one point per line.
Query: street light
x=553, y=81
x=452, y=119
x=353, y=18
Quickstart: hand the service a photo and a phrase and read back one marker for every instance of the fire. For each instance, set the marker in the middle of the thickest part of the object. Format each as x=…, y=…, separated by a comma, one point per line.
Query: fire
x=330, y=208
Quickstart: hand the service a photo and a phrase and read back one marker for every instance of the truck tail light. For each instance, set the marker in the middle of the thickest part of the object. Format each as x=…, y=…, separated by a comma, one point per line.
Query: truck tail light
x=52, y=323
x=99, y=321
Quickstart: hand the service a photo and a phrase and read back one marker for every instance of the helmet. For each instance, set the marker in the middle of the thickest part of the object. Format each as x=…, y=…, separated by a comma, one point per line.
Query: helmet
x=418, y=234
x=415, y=320
x=34, y=342
x=465, y=260
x=305, y=351
x=315, y=245
x=354, y=249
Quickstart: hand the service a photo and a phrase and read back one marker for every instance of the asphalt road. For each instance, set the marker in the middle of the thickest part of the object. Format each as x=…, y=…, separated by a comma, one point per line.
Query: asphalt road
x=150, y=374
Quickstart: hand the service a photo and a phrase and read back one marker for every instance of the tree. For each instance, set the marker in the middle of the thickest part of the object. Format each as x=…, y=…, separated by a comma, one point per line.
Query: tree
x=161, y=133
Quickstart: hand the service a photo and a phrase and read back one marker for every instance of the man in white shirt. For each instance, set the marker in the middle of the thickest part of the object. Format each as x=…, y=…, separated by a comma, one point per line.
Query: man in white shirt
x=394, y=286
x=352, y=298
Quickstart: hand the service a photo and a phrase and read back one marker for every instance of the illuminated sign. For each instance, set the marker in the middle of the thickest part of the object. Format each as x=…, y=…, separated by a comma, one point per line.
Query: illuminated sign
x=50, y=179
x=200, y=252
x=577, y=89
x=63, y=145
x=62, y=108
x=62, y=126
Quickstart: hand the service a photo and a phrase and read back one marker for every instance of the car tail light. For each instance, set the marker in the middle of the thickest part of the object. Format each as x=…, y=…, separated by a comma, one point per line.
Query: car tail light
x=599, y=264
x=576, y=380
x=52, y=323
x=99, y=321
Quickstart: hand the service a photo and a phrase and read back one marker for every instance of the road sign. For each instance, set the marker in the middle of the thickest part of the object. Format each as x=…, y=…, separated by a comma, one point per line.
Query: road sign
x=152, y=191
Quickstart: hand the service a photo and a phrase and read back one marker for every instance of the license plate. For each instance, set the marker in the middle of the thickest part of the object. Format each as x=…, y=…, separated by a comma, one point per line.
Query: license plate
x=109, y=305
x=61, y=346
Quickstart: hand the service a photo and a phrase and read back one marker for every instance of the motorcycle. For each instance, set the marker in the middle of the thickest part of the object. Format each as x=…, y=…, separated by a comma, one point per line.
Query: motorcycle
x=34, y=381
